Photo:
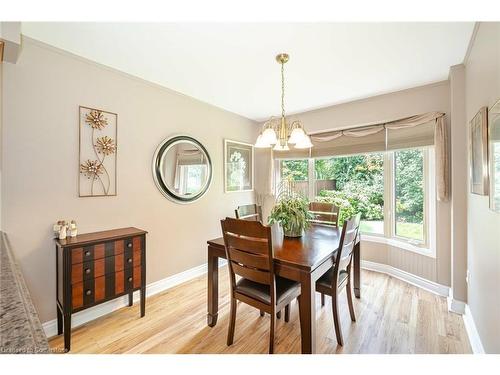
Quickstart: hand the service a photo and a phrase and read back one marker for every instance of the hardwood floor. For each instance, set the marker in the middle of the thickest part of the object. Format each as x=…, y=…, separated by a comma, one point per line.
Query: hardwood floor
x=392, y=317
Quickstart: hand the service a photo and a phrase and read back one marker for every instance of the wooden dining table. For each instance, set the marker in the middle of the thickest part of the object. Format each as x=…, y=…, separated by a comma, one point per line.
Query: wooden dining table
x=304, y=259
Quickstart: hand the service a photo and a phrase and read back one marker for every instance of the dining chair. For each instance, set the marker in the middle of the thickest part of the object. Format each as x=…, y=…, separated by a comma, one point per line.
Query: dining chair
x=249, y=253
x=253, y=212
x=249, y=212
x=324, y=213
x=339, y=276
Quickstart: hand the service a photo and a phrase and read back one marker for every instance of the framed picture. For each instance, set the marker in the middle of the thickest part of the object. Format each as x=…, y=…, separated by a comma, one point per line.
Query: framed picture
x=97, y=152
x=478, y=145
x=238, y=166
x=494, y=156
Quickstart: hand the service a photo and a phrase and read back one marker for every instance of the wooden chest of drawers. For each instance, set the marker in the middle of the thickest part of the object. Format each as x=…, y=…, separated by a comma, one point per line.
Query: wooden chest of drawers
x=96, y=267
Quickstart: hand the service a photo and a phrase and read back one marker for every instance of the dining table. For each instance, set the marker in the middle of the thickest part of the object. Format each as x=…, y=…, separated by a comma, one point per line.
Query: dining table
x=304, y=259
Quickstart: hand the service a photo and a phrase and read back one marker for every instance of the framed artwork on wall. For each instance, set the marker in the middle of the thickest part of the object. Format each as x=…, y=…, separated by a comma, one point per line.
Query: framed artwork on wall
x=97, y=152
x=494, y=156
x=238, y=166
x=478, y=151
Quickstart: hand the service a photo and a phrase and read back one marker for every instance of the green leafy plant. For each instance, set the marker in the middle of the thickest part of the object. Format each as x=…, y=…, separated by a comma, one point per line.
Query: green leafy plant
x=366, y=199
x=292, y=213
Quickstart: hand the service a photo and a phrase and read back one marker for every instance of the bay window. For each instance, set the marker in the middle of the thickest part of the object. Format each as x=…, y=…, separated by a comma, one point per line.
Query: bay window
x=393, y=190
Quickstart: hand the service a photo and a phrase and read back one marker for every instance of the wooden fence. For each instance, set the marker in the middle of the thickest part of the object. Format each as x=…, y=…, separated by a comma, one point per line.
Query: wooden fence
x=302, y=187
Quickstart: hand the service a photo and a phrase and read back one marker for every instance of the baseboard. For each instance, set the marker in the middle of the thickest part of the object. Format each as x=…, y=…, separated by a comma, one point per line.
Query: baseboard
x=456, y=306
x=470, y=327
x=418, y=281
x=156, y=287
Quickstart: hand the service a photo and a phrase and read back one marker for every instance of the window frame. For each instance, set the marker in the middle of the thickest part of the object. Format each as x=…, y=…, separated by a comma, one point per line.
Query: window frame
x=424, y=247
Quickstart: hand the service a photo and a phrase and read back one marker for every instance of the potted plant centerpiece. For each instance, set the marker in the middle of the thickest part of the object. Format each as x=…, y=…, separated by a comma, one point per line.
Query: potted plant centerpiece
x=291, y=212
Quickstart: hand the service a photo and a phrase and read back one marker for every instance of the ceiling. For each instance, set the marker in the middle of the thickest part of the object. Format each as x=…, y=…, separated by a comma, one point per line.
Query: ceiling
x=232, y=65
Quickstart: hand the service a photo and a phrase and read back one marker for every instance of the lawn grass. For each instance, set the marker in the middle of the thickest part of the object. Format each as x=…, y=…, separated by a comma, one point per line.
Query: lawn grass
x=376, y=227
x=412, y=231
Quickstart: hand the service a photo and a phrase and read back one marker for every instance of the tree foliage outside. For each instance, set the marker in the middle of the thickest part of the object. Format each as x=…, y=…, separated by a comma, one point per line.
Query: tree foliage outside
x=296, y=170
x=360, y=185
x=409, y=191
x=409, y=186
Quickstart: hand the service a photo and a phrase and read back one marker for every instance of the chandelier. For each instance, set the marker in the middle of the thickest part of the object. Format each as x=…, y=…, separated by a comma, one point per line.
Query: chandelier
x=279, y=132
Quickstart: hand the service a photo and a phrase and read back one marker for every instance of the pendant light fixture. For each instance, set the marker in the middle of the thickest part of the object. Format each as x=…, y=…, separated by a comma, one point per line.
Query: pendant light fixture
x=279, y=132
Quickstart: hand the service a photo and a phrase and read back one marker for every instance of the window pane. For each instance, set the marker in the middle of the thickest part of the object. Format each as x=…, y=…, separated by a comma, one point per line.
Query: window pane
x=409, y=193
x=294, y=176
x=195, y=175
x=355, y=184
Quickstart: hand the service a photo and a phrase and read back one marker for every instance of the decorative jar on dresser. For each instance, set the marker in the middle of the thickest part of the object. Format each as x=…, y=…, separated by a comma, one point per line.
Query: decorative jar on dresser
x=93, y=268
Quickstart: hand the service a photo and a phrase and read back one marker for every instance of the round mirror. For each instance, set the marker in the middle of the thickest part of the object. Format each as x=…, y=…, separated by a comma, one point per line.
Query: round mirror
x=182, y=169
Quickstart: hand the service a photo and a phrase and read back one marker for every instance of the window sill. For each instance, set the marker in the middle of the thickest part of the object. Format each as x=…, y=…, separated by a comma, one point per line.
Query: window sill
x=401, y=244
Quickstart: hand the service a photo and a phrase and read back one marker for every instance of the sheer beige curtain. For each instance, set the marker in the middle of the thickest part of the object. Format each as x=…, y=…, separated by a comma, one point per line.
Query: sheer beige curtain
x=349, y=141
x=442, y=160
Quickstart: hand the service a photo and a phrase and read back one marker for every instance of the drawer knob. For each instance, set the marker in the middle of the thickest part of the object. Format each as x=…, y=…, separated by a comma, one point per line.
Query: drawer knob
x=129, y=279
x=87, y=271
x=129, y=244
x=88, y=292
x=87, y=253
x=129, y=260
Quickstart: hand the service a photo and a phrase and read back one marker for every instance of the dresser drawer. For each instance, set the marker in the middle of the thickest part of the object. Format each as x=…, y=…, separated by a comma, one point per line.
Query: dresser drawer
x=92, y=291
x=99, y=267
x=105, y=249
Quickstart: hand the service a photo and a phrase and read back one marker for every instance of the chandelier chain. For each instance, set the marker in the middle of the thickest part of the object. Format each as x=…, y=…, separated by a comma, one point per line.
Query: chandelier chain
x=282, y=89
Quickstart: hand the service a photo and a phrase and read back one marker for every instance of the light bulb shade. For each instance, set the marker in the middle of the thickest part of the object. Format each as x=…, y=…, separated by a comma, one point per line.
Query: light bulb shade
x=269, y=137
x=297, y=136
x=305, y=143
x=260, y=142
x=279, y=147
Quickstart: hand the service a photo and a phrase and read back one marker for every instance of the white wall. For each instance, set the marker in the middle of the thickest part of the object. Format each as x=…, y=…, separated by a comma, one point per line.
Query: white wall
x=435, y=97
x=482, y=88
x=41, y=95
x=459, y=188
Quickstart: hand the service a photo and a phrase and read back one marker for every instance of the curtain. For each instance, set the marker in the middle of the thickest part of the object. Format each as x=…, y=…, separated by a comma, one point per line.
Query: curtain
x=350, y=141
x=442, y=160
x=190, y=157
x=411, y=136
x=413, y=131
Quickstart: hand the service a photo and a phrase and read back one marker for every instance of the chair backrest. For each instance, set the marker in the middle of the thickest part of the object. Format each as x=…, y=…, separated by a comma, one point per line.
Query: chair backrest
x=249, y=252
x=324, y=213
x=346, y=246
x=249, y=212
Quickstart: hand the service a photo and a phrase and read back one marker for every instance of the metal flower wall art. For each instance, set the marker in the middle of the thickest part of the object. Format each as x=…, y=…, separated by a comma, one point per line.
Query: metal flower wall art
x=98, y=130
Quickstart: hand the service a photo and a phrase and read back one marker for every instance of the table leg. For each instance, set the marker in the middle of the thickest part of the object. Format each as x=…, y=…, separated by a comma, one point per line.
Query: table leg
x=308, y=314
x=213, y=289
x=357, y=270
x=59, y=321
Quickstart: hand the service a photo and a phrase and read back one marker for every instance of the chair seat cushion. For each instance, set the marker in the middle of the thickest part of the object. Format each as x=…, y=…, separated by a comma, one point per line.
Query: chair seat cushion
x=326, y=280
x=285, y=289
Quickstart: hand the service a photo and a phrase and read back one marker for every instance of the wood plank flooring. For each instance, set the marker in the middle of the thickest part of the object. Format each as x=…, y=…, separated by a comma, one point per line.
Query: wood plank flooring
x=392, y=317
